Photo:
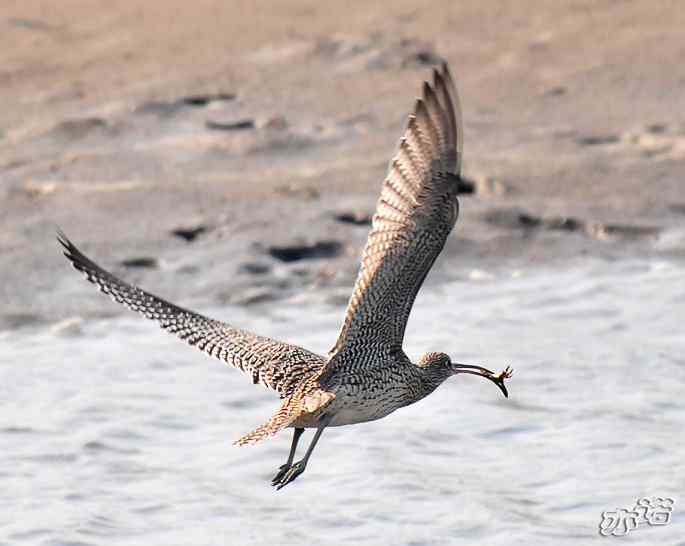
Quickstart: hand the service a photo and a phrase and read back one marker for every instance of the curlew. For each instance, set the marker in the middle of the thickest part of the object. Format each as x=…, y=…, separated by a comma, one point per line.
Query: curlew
x=366, y=375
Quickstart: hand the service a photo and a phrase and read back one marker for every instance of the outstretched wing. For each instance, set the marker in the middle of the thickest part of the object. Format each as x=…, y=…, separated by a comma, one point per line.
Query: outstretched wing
x=278, y=366
x=416, y=211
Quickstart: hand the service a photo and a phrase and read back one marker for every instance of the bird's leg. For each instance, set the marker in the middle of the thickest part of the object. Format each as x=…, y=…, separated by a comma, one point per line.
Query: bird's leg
x=285, y=467
x=298, y=468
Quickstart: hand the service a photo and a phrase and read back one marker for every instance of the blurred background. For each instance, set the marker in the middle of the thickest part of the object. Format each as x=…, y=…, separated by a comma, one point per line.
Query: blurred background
x=227, y=156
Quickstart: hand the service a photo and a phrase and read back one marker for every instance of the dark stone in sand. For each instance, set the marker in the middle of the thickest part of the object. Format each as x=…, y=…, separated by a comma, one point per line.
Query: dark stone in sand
x=418, y=53
x=142, y=262
x=631, y=232
x=427, y=57
x=511, y=218
x=171, y=107
x=528, y=220
x=597, y=140
x=254, y=268
x=486, y=186
x=204, y=100
x=466, y=187
x=231, y=125
x=516, y=218
x=321, y=249
x=657, y=128
x=564, y=223
x=189, y=233
x=556, y=91
x=32, y=24
x=73, y=129
x=159, y=108
x=357, y=218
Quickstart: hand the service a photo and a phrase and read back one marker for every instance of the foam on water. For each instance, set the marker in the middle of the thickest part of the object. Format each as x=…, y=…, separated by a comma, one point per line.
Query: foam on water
x=115, y=433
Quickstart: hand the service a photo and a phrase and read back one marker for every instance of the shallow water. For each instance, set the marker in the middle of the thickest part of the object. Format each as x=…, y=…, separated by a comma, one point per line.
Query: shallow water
x=115, y=433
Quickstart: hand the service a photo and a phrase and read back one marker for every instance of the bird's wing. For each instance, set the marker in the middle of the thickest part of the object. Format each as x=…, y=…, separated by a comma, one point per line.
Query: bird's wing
x=276, y=365
x=416, y=211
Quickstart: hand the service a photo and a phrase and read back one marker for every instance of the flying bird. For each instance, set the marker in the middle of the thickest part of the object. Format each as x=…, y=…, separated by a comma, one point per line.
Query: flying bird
x=366, y=374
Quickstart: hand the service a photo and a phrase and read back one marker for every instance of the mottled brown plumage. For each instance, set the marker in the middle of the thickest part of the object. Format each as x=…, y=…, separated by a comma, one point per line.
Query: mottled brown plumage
x=415, y=213
x=367, y=374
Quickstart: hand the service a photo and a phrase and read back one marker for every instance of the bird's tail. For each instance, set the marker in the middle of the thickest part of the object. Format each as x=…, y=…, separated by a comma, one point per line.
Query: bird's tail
x=309, y=399
x=284, y=416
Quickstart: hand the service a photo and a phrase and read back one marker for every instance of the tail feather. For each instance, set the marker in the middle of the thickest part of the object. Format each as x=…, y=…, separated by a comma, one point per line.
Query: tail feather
x=308, y=400
x=285, y=415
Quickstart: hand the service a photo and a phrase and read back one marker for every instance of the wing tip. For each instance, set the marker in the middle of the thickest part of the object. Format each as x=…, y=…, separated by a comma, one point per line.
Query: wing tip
x=61, y=237
x=448, y=81
x=419, y=107
x=428, y=92
x=77, y=259
x=69, y=250
x=445, y=69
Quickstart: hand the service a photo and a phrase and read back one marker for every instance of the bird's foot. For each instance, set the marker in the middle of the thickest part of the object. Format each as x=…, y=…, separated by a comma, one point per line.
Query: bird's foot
x=281, y=472
x=289, y=474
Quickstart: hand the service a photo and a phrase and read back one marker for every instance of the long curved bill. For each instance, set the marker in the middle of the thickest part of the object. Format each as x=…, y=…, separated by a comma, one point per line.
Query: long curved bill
x=497, y=379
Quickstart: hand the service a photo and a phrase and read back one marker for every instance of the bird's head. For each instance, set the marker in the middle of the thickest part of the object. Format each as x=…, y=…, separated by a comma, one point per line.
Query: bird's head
x=441, y=364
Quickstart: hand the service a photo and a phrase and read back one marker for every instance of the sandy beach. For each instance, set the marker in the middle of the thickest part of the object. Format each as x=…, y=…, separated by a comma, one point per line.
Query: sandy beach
x=122, y=129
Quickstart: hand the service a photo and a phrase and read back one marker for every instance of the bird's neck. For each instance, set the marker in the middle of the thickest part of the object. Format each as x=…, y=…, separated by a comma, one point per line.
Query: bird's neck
x=429, y=379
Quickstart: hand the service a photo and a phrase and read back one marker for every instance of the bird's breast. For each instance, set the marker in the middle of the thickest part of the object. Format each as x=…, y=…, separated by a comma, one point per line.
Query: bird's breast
x=367, y=399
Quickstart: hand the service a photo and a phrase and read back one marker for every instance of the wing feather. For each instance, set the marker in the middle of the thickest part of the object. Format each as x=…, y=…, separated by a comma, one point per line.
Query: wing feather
x=276, y=365
x=415, y=213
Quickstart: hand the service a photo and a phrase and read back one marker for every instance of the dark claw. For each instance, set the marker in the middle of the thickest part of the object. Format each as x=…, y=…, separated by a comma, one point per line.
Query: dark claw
x=290, y=474
x=281, y=472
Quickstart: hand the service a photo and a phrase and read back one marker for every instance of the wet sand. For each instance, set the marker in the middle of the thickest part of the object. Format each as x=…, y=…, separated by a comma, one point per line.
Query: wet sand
x=263, y=125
